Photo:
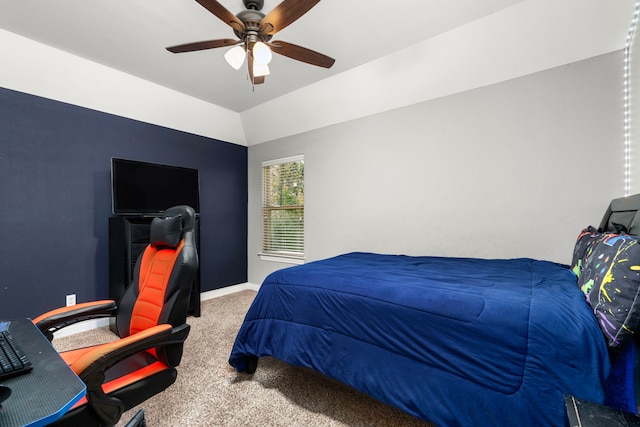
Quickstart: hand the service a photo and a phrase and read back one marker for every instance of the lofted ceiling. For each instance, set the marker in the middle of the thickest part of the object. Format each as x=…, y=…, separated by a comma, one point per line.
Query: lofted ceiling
x=131, y=36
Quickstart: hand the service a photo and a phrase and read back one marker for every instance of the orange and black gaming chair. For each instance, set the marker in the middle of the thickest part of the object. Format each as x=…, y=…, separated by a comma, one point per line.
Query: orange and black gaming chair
x=150, y=320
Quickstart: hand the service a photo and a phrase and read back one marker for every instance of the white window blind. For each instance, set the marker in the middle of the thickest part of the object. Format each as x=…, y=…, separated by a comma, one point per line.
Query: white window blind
x=283, y=206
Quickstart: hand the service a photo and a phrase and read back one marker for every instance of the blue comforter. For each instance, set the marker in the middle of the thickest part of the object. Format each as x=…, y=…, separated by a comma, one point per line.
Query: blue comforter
x=456, y=341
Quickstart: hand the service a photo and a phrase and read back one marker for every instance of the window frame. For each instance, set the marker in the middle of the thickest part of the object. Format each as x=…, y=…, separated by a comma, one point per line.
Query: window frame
x=279, y=256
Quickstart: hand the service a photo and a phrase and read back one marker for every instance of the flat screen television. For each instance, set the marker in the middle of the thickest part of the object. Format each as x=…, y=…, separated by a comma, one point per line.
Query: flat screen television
x=142, y=188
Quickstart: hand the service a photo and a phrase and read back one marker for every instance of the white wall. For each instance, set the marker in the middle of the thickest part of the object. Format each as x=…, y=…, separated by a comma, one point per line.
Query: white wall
x=514, y=169
x=531, y=36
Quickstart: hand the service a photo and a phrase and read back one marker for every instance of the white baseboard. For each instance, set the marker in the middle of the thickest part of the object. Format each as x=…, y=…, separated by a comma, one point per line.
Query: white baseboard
x=101, y=323
x=216, y=293
x=81, y=327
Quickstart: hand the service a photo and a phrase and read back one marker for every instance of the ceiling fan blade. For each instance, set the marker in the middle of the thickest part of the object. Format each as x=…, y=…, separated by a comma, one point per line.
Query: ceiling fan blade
x=284, y=14
x=255, y=80
x=221, y=12
x=208, y=44
x=303, y=54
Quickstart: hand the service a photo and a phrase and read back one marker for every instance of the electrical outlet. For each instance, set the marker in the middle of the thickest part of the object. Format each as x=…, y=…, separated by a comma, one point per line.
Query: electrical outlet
x=71, y=299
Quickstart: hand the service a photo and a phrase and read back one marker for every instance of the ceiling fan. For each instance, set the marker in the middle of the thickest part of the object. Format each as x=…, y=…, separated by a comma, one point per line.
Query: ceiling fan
x=254, y=30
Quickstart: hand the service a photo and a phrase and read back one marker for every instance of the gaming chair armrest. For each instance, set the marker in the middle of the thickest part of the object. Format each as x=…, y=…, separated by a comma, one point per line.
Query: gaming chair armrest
x=57, y=319
x=91, y=366
x=103, y=357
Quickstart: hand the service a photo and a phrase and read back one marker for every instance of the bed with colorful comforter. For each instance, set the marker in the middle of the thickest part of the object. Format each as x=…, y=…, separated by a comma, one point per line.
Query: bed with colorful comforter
x=455, y=341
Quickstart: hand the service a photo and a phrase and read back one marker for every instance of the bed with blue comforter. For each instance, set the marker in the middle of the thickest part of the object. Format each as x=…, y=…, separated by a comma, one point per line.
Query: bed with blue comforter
x=463, y=341
x=456, y=341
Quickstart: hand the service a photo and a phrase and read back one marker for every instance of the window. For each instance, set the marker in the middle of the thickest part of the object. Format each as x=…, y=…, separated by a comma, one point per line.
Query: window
x=283, y=209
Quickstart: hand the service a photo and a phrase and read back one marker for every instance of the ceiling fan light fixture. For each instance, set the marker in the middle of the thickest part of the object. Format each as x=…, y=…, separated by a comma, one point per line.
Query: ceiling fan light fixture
x=260, y=70
x=261, y=53
x=235, y=56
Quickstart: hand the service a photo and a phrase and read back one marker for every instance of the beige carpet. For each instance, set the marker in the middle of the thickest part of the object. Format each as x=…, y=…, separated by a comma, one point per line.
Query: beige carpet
x=209, y=392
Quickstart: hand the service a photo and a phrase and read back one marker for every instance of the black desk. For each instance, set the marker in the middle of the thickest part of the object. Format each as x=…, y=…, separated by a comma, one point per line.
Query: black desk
x=43, y=395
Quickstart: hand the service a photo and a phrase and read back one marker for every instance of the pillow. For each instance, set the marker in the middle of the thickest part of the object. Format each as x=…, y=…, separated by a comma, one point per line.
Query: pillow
x=610, y=277
x=166, y=231
x=586, y=239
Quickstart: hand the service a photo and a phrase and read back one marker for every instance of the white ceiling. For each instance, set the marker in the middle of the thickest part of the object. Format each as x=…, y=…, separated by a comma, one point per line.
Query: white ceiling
x=131, y=36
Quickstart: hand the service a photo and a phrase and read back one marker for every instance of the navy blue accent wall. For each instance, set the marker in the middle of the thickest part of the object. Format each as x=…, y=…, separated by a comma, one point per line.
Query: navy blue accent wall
x=55, y=199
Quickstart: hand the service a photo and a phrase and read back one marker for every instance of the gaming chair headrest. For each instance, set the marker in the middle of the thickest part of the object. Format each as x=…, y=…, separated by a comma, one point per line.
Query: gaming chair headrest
x=186, y=212
x=167, y=231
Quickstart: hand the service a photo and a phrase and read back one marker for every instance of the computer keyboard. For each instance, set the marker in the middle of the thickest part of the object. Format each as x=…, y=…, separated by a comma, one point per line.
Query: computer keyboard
x=13, y=361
